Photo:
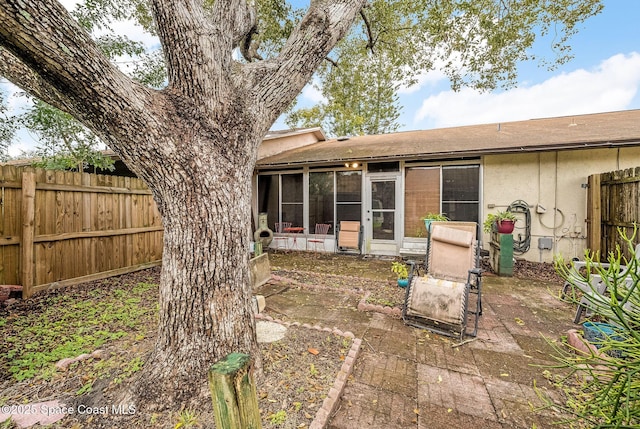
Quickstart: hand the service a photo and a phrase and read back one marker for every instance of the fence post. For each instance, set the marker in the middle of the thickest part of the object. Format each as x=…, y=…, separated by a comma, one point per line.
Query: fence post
x=233, y=392
x=28, y=232
x=594, y=214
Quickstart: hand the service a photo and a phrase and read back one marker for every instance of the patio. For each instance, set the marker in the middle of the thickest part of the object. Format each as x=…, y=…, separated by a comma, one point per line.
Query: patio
x=410, y=378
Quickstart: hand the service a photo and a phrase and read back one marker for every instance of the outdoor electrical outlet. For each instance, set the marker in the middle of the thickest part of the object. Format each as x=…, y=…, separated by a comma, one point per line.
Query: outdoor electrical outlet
x=545, y=243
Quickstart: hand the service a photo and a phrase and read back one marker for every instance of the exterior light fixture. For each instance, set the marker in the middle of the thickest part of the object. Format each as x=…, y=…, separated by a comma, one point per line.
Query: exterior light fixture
x=351, y=165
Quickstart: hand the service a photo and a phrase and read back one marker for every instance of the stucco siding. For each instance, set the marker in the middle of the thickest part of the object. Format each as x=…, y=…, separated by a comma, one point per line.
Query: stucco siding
x=554, y=180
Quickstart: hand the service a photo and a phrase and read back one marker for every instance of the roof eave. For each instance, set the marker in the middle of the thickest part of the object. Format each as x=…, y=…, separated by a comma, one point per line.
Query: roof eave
x=457, y=154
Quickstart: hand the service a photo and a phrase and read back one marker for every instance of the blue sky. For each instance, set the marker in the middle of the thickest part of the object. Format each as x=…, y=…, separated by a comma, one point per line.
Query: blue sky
x=603, y=76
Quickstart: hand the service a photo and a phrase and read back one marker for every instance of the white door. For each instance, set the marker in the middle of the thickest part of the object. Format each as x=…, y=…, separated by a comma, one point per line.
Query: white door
x=383, y=215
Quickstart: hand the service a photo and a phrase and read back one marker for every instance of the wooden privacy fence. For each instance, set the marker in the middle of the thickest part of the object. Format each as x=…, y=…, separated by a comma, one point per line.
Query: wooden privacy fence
x=61, y=228
x=613, y=202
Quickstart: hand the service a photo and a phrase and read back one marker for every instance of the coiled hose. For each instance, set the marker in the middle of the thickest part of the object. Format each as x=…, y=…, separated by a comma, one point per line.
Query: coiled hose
x=523, y=243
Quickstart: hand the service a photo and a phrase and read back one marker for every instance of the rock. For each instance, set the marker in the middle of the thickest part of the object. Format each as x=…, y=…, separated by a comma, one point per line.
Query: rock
x=268, y=332
x=259, y=303
x=63, y=364
x=99, y=354
x=9, y=302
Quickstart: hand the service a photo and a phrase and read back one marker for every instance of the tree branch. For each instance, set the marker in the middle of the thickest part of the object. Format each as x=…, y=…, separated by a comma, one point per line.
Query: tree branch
x=198, y=44
x=43, y=50
x=370, y=41
x=51, y=43
x=183, y=28
x=332, y=62
x=277, y=82
x=24, y=77
x=249, y=46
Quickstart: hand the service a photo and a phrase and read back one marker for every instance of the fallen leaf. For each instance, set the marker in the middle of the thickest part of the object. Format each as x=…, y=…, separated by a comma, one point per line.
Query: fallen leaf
x=504, y=374
x=519, y=321
x=449, y=410
x=313, y=351
x=439, y=379
x=417, y=411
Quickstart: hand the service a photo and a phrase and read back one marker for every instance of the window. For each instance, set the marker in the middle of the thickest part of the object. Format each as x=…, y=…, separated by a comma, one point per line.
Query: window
x=348, y=195
x=333, y=196
x=460, y=192
x=285, y=206
x=321, y=199
x=383, y=167
x=421, y=196
x=453, y=190
x=269, y=198
x=292, y=196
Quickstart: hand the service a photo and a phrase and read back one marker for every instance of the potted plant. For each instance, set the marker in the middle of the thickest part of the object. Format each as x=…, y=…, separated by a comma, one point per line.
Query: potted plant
x=400, y=269
x=431, y=217
x=504, y=222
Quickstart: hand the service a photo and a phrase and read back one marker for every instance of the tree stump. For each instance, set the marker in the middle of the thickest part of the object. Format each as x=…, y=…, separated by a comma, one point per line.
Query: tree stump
x=233, y=392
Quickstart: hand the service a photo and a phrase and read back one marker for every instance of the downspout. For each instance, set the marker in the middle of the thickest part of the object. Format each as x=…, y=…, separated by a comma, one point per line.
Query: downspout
x=555, y=211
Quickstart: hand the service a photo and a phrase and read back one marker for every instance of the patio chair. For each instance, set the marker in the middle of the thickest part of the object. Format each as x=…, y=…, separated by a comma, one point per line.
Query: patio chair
x=593, y=287
x=280, y=228
x=349, y=236
x=320, y=236
x=441, y=301
x=472, y=227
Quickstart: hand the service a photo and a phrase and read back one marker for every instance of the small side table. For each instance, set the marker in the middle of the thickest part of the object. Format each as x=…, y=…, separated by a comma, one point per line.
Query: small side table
x=294, y=231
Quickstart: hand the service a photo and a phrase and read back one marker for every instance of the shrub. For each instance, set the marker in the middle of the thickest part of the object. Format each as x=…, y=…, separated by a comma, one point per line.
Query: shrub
x=603, y=391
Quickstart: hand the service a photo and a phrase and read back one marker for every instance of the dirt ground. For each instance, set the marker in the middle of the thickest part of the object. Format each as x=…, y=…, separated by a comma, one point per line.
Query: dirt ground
x=299, y=370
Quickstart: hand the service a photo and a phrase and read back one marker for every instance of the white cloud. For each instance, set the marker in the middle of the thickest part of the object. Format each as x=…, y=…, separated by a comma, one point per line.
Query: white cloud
x=313, y=95
x=16, y=149
x=129, y=28
x=429, y=80
x=610, y=86
x=69, y=4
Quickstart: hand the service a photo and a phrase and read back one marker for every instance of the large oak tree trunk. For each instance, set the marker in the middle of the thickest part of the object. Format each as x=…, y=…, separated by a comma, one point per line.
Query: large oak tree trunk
x=205, y=288
x=194, y=143
x=205, y=292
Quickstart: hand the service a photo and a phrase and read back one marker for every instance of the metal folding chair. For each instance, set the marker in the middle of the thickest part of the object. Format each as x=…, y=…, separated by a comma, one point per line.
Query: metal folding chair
x=283, y=238
x=320, y=236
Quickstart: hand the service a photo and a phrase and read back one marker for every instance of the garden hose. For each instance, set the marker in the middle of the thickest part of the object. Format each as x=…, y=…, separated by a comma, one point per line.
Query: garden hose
x=522, y=244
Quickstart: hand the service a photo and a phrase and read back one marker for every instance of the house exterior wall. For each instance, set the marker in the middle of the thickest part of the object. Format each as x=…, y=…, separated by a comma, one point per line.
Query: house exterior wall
x=555, y=181
x=552, y=180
